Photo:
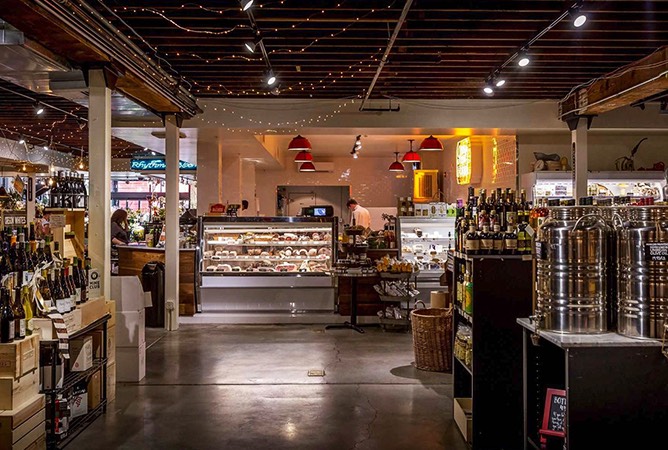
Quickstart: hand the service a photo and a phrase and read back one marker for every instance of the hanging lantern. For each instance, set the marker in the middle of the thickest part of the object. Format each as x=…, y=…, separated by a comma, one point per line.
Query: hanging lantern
x=299, y=143
x=303, y=156
x=431, y=144
x=307, y=167
x=411, y=156
x=396, y=166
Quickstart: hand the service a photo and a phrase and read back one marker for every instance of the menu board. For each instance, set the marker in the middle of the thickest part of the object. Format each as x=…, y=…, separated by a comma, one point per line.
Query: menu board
x=554, y=414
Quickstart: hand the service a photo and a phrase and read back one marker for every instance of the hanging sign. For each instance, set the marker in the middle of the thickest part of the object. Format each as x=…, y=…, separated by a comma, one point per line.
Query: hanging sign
x=158, y=165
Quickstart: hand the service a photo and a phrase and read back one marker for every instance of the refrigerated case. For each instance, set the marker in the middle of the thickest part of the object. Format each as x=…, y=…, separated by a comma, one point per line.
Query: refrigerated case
x=559, y=184
x=262, y=264
x=426, y=242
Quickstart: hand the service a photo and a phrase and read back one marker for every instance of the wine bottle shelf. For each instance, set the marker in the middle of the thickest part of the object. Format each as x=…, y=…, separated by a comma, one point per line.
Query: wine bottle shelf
x=461, y=255
x=464, y=314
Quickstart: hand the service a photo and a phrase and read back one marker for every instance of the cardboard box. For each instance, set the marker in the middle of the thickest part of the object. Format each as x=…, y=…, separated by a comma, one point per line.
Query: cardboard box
x=111, y=310
x=463, y=417
x=73, y=320
x=79, y=402
x=81, y=354
x=15, y=424
x=111, y=382
x=19, y=357
x=130, y=328
x=92, y=310
x=111, y=344
x=128, y=293
x=131, y=363
x=94, y=390
x=16, y=391
x=43, y=327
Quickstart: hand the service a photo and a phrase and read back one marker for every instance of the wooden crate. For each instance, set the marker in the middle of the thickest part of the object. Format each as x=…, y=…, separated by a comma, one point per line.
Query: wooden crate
x=92, y=310
x=17, y=425
x=111, y=309
x=16, y=391
x=19, y=357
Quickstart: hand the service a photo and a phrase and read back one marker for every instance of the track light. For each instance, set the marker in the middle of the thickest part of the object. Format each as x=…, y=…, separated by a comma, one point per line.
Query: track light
x=489, y=88
x=22, y=140
x=500, y=82
x=523, y=59
x=46, y=146
x=246, y=4
x=251, y=46
x=577, y=16
x=271, y=78
x=39, y=108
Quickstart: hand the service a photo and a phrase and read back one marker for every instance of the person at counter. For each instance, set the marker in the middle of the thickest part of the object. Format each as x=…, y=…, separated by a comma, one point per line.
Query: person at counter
x=120, y=228
x=358, y=215
x=243, y=212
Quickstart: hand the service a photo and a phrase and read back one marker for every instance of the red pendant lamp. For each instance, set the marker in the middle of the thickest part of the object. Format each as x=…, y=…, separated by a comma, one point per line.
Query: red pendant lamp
x=299, y=143
x=396, y=166
x=411, y=156
x=431, y=144
x=307, y=167
x=304, y=156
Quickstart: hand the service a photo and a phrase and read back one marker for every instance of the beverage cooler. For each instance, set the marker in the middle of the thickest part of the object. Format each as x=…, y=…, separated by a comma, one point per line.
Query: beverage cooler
x=266, y=264
x=426, y=242
x=557, y=185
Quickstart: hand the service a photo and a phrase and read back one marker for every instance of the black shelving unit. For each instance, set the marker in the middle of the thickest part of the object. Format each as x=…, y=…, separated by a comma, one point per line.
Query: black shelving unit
x=78, y=424
x=502, y=292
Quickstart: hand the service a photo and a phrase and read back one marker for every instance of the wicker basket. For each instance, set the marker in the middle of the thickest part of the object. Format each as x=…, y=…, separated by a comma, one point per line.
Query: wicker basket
x=432, y=339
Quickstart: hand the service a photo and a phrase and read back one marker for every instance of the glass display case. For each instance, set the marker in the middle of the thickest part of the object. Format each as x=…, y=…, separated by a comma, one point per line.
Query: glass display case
x=600, y=184
x=426, y=242
x=241, y=256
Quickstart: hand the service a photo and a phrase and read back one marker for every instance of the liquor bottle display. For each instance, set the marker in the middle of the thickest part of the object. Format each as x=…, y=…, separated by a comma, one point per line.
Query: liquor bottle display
x=68, y=191
x=501, y=224
x=7, y=323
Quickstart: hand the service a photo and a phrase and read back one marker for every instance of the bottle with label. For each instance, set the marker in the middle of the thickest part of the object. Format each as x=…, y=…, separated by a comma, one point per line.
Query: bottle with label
x=510, y=241
x=45, y=291
x=472, y=241
x=59, y=297
x=19, y=315
x=468, y=297
x=69, y=270
x=523, y=241
x=6, y=317
x=497, y=240
x=486, y=241
x=511, y=209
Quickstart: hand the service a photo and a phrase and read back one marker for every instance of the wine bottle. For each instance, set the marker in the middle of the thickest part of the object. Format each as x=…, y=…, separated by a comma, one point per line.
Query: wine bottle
x=72, y=285
x=48, y=257
x=64, y=285
x=510, y=241
x=472, y=241
x=84, y=193
x=76, y=277
x=6, y=317
x=28, y=308
x=55, y=193
x=45, y=291
x=19, y=315
x=61, y=301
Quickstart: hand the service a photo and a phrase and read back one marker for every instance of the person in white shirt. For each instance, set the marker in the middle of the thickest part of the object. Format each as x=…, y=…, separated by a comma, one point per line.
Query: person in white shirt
x=358, y=216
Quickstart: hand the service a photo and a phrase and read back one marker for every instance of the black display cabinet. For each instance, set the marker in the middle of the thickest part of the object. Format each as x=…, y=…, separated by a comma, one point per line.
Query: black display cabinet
x=502, y=291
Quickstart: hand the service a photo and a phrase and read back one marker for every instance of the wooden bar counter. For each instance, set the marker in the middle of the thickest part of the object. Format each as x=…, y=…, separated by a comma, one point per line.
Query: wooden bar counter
x=133, y=258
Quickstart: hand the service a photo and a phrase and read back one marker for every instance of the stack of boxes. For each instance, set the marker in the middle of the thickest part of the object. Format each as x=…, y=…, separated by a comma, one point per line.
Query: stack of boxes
x=22, y=413
x=130, y=330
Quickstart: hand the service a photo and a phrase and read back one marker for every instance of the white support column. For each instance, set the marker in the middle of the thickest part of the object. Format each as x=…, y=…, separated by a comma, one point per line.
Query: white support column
x=30, y=204
x=99, y=203
x=172, y=224
x=579, y=154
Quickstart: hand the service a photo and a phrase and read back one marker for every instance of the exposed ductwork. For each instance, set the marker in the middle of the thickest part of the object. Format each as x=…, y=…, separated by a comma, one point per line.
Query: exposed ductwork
x=25, y=62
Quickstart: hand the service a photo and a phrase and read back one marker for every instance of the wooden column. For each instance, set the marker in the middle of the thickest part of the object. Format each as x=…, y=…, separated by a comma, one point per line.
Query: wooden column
x=579, y=155
x=172, y=224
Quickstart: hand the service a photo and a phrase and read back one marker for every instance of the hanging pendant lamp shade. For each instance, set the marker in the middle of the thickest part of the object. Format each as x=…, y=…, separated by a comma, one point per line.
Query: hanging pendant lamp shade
x=431, y=144
x=303, y=156
x=411, y=156
x=299, y=143
x=396, y=166
x=307, y=167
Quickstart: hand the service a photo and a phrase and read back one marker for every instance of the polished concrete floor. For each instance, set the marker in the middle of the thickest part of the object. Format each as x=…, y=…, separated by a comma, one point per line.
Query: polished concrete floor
x=248, y=387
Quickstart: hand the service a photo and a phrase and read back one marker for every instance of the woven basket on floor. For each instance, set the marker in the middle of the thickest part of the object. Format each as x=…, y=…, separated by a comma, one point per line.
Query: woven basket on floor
x=432, y=339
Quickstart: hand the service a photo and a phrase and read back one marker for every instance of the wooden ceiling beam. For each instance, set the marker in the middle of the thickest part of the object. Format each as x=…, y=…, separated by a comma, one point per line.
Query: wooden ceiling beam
x=632, y=83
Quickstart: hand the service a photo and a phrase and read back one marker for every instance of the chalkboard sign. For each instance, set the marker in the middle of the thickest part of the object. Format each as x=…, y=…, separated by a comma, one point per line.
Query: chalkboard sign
x=656, y=251
x=554, y=415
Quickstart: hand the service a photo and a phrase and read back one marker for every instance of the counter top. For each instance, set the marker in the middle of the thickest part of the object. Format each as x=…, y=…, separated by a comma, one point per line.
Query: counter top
x=588, y=340
x=145, y=248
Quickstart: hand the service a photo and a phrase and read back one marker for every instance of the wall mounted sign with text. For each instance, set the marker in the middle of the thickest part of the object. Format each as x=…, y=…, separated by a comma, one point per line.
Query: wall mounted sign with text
x=158, y=165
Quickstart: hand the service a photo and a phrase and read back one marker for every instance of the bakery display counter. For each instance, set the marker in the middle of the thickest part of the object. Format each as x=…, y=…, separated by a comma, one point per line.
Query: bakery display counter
x=251, y=264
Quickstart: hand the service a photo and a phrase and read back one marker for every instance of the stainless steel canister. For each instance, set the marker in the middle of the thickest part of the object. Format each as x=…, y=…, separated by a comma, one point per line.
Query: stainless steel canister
x=642, y=265
x=572, y=271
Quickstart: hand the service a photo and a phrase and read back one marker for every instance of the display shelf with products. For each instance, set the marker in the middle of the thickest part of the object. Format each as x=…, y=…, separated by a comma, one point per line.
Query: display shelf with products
x=240, y=256
x=494, y=291
x=59, y=389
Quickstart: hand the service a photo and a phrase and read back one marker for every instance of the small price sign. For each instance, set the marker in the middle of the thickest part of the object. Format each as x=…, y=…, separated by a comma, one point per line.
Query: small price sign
x=57, y=220
x=554, y=414
x=656, y=251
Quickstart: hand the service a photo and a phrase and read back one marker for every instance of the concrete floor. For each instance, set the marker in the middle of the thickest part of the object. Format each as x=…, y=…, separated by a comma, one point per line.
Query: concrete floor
x=247, y=387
